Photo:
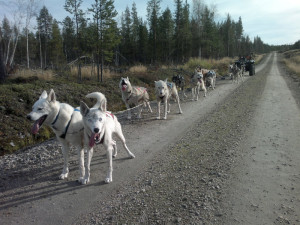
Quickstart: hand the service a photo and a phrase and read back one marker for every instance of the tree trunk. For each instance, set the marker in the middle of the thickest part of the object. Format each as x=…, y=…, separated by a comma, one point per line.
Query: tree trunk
x=13, y=54
x=27, y=47
x=2, y=67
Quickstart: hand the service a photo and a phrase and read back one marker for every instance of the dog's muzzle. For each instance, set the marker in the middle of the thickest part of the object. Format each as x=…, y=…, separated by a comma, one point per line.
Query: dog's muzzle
x=37, y=124
x=95, y=137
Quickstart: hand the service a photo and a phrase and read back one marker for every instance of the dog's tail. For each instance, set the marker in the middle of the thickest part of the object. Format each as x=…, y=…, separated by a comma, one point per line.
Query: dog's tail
x=101, y=100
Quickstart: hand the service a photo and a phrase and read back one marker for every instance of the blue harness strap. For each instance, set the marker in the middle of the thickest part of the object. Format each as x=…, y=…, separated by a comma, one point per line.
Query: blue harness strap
x=170, y=85
x=67, y=127
x=55, y=118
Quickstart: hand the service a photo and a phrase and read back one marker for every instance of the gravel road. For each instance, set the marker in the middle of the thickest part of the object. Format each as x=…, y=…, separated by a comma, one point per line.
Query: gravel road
x=231, y=158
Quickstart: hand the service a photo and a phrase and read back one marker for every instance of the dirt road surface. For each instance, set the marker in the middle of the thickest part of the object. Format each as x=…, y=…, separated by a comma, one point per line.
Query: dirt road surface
x=231, y=158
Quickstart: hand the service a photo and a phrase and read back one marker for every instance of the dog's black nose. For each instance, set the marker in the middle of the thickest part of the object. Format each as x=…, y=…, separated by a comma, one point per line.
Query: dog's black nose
x=96, y=130
x=28, y=117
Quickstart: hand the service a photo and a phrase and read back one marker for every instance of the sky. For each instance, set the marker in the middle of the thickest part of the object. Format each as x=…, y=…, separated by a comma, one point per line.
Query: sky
x=276, y=22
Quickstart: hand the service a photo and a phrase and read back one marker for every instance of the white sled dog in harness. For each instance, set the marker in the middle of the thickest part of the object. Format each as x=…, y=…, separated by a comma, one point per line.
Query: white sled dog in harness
x=99, y=127
x=66, y=123
x=134, y=95
x=164, y=90
x=197, y=83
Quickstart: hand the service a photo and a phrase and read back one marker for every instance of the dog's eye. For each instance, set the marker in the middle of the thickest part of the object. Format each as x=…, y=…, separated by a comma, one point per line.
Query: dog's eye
x=40, y=109
x=100, y=119
x=90, y=120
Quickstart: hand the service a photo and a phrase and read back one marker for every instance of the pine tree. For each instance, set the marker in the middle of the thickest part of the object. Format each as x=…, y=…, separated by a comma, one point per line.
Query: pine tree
x=56, y=45
x=166, y=34
x=69, y=39
x=44, y=21
x=107, y=31
x=153, y=13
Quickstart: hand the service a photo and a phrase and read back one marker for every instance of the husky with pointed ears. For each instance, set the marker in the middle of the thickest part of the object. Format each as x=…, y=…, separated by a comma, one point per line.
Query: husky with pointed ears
x=66, y=123
x=134, y=95
x=164, y=90
x=99, y=127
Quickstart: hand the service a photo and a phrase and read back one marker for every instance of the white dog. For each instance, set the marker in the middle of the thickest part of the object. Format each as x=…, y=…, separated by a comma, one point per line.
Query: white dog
x=197, y=83
x=66, y=123
x=164, y=90
x=134, y=95
x=99, y=126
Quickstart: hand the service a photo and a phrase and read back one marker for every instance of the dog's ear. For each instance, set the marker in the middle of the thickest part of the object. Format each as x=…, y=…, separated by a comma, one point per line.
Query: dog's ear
x=127, y=78
x=51, y=97
x=44, y=95
x=166, y=80
x=103, y=105
x=84, y=109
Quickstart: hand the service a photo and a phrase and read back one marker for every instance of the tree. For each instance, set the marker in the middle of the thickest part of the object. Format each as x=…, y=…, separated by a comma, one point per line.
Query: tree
x=107, y=32
x=153, y=12
x=143, y=41
x=197, y=27
x=134, y=31
x=44, y=22
x=31, y=10
x=6, y=39
x=69, y=39
x=2, y=66
x=126, y=35
x=186, y=45
x=56, y=45
x=166, y=34
x=73, y=7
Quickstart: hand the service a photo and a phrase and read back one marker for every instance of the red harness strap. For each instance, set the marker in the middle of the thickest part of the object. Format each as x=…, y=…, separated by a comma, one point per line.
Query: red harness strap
x=108, y=114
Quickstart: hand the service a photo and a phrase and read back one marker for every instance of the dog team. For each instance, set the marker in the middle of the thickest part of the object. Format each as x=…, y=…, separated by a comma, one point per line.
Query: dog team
x=83, y=127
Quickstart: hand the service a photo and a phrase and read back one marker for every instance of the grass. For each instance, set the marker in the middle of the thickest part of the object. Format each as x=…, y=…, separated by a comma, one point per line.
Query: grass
x=46, y=75
x=138, y=69
x=20, y=91
x=292, y=61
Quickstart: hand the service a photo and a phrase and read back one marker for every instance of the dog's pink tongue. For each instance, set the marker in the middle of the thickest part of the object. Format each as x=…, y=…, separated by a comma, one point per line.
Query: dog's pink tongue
x=92, y=139
x=35, y=128
x=124, y=87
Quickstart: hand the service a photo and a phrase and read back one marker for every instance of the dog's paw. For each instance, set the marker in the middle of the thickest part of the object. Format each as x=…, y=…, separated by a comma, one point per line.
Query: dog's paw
x=82, y=180
x=108, y=180
x=164, y=117
x=158, y=118
x=63, y=176
x=180, y=112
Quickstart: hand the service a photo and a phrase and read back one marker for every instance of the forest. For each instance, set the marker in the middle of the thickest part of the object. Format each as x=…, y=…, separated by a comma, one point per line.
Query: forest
x=105, y=37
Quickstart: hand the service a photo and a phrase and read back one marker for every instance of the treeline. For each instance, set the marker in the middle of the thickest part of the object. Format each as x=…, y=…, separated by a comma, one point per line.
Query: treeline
x=164, y=37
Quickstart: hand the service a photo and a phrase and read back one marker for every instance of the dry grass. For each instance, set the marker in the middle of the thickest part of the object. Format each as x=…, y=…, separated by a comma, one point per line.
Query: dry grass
x=293, y=64
x=138, y=69
x=221, y=65
x=90, y=72
x=41, y=74
x=292, y=61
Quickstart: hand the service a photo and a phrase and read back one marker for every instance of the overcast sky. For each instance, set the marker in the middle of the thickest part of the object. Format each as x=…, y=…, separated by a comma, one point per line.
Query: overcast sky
x=276, y=22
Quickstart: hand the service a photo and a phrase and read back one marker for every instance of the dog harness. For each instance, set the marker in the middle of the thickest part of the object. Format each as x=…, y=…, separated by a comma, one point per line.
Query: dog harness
x=55, y=118
x=170, y=85
x=67, y=127
x=139, y=89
